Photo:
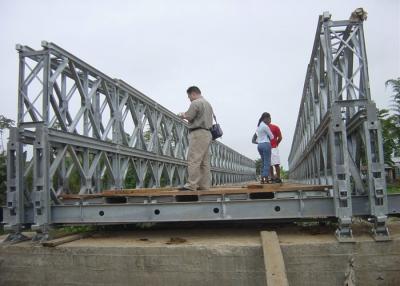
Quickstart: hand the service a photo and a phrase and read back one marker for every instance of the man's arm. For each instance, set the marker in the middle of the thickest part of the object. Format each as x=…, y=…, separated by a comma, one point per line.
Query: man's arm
x=279, y=137
x=191, y=113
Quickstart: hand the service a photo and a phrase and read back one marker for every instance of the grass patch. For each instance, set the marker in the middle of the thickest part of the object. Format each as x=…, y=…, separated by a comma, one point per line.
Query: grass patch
x=392, y=189
x=68, y=230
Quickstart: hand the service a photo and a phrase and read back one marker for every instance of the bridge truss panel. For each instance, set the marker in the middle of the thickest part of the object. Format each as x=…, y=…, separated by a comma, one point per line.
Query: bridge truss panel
x=338, y=135
x=77, y=124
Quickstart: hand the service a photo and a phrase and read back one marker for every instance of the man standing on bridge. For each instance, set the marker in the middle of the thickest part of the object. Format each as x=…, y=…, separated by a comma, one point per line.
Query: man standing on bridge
x=275, y=158
x=200, y=118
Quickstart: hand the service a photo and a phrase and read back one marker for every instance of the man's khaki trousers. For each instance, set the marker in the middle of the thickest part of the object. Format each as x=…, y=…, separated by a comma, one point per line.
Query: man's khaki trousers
x=199, y=160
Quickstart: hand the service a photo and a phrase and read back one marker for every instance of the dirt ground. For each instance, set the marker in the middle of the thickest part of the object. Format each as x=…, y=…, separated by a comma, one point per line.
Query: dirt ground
x=221, y=234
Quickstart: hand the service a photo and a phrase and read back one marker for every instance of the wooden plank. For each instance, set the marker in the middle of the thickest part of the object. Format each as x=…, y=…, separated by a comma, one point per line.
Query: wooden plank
x=275, y=270
x=251, y=189
x=226, y=190
x=76, y=196
x=65, y=239
x=289, y=187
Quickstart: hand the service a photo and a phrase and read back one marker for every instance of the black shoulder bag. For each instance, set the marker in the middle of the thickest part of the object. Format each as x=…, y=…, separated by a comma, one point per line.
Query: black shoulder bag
x=216, y=131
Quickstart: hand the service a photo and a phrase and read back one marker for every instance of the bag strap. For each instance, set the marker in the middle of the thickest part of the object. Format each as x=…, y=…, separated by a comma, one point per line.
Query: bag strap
x=215, y=118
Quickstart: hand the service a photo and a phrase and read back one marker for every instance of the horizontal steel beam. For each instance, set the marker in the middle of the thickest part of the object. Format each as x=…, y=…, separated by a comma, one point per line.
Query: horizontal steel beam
x=225, y=210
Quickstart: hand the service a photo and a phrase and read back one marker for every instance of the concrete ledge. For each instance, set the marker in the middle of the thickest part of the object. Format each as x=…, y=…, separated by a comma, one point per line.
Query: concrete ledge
x=171, y=265
x=375, y=263
x=205, y=257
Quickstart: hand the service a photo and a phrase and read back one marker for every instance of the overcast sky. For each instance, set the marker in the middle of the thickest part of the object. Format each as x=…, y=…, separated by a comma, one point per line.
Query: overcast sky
x=247, y=57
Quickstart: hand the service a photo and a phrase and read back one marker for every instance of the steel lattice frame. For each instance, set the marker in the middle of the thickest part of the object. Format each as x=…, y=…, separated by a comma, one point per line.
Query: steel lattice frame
x=338, y=136
x=116, y=130
x=80, y=120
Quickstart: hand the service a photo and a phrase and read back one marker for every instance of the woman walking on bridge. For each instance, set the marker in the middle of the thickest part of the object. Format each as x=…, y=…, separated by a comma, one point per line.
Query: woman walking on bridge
x=264, y=137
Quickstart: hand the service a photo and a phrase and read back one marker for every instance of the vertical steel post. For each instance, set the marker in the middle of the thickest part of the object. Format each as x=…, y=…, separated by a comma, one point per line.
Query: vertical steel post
x=41, y=159
x=63, y=178
x=97, y=115
x=15, y=183
x=117, y=138
x=338, y=142
x=376, y=174
x=41, y=181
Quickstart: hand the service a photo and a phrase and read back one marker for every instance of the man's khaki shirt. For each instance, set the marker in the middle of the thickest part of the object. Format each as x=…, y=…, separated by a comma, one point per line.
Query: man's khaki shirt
x=199, y=114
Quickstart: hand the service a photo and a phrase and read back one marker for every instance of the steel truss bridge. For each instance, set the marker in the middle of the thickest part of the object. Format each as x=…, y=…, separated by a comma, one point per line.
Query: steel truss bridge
x=76, y=124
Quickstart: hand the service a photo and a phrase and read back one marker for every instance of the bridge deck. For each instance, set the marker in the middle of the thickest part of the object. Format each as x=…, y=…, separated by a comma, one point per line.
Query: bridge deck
x=223, y=203
x=220, y=190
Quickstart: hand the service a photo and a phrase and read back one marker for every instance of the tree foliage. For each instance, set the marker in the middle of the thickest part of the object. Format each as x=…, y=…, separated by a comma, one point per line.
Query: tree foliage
x=3, y=178
x=391, y=123
x=284, y=173
x=390, y=130
x=5, y=123
x=395, y=85
x=258, y=166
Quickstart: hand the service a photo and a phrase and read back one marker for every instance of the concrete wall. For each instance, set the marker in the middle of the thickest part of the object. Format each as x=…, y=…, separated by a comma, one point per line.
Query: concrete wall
x=306, y=264
x=171, y=265
x=375, y=263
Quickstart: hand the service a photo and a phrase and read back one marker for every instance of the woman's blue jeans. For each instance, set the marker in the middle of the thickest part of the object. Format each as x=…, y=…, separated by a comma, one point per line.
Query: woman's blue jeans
x=265, y=151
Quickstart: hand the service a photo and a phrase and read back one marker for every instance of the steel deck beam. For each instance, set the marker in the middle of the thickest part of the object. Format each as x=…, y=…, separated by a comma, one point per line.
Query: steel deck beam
x=224, y=210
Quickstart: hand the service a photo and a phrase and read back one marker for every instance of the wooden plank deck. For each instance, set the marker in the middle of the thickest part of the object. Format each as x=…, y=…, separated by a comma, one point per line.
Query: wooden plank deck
x=275, y=270
x=248, y=189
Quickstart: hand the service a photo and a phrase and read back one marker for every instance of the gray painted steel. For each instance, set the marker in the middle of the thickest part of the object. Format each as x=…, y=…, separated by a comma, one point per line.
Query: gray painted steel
x=76, y=123
x=338, y=137
x=299, y=206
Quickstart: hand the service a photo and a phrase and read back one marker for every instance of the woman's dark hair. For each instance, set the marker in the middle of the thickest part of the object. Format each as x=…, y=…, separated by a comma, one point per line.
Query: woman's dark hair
x=264, y=116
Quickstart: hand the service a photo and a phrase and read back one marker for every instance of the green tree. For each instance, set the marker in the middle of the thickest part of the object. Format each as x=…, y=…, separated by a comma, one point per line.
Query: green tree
x=258, y=166
x=5, y=123
x=284, y=173
x=395, y=85
x=3, y=178
x=391, y=123
x=390, y=136
x=130, y=179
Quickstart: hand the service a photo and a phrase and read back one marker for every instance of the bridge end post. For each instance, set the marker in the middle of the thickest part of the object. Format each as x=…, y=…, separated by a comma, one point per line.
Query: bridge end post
x=14, y=212
x=344, y=233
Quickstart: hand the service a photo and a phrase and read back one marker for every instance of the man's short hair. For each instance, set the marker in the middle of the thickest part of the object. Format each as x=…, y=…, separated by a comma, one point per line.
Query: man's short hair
x=194, y=89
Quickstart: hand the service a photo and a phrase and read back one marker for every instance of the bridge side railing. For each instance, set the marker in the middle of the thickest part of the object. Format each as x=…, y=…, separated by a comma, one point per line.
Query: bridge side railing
x=77, y=126
x=338, y=138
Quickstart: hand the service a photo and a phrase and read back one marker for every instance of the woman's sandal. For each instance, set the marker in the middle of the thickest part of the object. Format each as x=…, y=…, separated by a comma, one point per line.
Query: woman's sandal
x=263, y=180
